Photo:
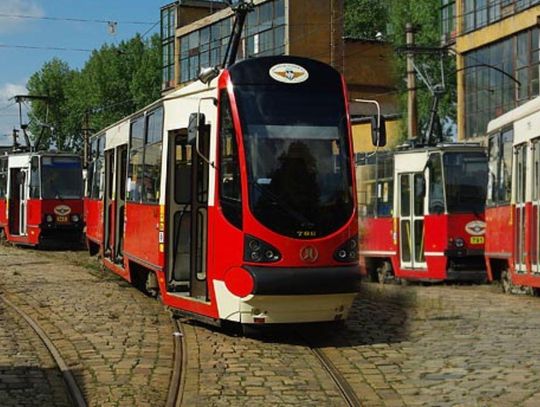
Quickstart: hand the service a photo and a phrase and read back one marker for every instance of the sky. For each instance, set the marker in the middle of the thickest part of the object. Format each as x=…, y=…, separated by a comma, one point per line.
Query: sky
x=49, y=28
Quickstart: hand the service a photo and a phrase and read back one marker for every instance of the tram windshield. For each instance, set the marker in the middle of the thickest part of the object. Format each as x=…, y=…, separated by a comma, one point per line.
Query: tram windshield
x=297, y=153
x=465, y=181
x=61, y=178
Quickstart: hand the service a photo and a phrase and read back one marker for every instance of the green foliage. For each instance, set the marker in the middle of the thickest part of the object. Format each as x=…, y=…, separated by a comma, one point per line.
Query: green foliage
x=115, y=81
x=365, y=16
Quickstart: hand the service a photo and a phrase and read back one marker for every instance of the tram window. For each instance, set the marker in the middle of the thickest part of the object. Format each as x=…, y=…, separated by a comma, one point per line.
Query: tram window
x=493, y=168
x=137, y=133
x=436, y=184
x=230, y=190
x=3, y=178
x=135, y=175
x=506, y=166
x=152, y=173
x=34, y=178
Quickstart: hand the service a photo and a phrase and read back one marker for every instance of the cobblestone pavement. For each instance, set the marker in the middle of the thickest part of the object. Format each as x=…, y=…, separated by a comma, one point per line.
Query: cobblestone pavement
x=117, y=342
x=28, y=374
x=402, y=346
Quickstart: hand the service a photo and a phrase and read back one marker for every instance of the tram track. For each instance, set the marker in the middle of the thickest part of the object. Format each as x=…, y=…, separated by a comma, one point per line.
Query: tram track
x=176, y=387
x=74, y=391
x=345, y=389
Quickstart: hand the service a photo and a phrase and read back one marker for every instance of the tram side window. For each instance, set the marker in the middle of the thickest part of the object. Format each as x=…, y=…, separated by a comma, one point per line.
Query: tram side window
x=152, y=156
x=436, y=184
x=231, y=195
x=365, y=174
x=500, y=168
x=136, y=161
x=96, y=169
x=385, y=185
x=34, y=178
x=3, y=178
x=375, y=185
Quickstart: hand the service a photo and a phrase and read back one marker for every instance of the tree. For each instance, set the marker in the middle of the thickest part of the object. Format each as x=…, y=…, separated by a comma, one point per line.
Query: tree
x=115, y=81
x=365, y=18
x=53, y=81
x=424, y=15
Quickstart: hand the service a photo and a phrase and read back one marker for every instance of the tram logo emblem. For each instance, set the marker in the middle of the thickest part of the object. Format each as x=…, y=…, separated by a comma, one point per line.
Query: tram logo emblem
x=309, y=254
x=476, y=228
x=62, y=210
x=289, y=73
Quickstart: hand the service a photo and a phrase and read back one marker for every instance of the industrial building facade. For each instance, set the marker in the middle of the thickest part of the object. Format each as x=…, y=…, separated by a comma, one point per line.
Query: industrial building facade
x=195, y=34
x=498, y=58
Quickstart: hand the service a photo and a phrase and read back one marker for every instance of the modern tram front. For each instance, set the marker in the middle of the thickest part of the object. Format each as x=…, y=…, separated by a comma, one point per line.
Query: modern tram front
x=275, y=240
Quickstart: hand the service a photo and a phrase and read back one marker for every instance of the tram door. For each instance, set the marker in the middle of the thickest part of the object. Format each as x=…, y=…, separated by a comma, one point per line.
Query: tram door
x=108, y=204
x=520, y=253
x=18, y=201
x=187, y=215
x=535, y=221
x=411, y=220
x=120, y=201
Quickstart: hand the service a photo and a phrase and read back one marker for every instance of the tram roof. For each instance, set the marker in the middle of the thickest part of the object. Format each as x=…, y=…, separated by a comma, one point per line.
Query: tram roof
x=191, y=89
x=441, y=147
x=513, y=115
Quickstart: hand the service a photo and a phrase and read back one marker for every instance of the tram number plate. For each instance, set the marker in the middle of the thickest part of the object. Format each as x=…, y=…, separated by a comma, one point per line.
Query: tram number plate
x=477, y=239
x=62, y=219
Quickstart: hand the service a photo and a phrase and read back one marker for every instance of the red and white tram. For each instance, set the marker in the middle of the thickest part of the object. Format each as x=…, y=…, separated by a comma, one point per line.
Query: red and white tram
x=513, y=199
x=234, y=199
x=41, y=198
x=422, y=213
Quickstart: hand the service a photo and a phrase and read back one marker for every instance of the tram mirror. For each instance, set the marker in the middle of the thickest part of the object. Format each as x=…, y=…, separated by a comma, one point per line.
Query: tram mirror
x=194, y=127
x=378, y=131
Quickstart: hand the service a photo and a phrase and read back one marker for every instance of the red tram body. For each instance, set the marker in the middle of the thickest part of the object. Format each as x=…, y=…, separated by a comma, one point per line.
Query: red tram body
x=41, y=198
x=422, y=213
x=234, y=200
x=513, y=199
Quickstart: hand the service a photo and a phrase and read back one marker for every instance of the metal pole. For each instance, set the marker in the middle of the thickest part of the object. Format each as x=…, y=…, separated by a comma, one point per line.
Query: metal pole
x=412, y=122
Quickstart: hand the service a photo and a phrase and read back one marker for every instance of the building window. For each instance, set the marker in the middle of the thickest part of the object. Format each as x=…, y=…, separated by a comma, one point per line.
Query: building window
x=479, y=13
x=264, y=34
x=499, y=77
x=448, y=19
x=168, y=28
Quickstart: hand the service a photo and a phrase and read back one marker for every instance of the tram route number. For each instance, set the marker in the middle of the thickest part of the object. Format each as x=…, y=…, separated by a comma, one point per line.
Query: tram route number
x=477, y=239
x=62, y=219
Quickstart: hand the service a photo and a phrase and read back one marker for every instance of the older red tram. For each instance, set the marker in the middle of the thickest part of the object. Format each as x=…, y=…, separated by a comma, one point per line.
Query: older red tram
x=513, y=200
x=41, y=198
x=235, y=200
x=422, y=213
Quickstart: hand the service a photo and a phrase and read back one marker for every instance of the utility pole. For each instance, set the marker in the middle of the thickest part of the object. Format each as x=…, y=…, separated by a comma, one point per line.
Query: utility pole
x=412, y=111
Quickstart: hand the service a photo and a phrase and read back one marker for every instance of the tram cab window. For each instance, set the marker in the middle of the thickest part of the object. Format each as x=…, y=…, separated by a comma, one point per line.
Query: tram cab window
x=98, y=169
x=34, y=178
x=230, y=187
x=500, y=167
x=136, y=161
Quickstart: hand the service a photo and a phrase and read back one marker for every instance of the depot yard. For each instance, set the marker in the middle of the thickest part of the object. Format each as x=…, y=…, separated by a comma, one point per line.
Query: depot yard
x=401, y=346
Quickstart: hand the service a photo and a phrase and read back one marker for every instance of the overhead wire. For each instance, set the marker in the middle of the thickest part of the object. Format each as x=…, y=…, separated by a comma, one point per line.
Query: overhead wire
x=74, y=20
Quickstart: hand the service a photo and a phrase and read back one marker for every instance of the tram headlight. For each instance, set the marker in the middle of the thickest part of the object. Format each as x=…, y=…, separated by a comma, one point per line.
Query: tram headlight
x=347, y=252
x=459, y=242
x=75, y=218
x=257, y=251
x=49, y=219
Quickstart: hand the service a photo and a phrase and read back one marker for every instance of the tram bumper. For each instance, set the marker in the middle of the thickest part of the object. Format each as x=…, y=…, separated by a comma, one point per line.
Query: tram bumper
x=466, y=265
x=291, y=295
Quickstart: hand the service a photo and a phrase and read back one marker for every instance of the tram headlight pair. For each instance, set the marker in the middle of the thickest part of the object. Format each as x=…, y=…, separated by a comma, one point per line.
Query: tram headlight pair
x=347, y=252
x=257, y=251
